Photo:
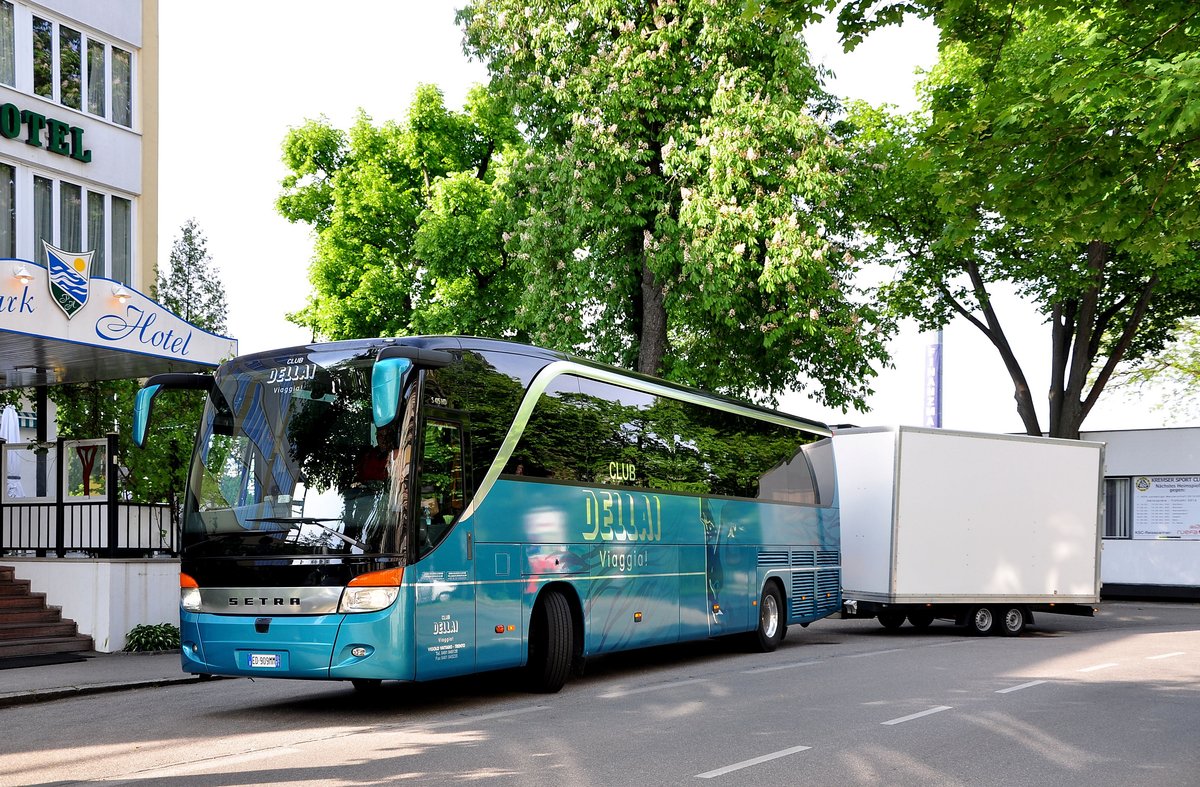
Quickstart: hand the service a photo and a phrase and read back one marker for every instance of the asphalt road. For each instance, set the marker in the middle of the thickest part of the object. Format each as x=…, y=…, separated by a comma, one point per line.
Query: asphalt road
x=1113, y=700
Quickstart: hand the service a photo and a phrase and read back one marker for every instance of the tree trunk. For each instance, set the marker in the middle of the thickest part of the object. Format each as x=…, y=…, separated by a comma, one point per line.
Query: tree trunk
x=652, y=341
x=994, y=331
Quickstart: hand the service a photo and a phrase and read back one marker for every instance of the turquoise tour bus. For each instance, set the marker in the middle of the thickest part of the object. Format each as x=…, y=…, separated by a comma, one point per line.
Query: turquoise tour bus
x=422, y=507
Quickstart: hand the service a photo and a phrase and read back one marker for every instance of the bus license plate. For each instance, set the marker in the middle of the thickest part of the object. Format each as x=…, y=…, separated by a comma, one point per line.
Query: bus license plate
x=264, y=660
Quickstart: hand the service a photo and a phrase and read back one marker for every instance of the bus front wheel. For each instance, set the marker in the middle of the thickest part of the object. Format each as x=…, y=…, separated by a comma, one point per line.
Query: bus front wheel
x=551, y=635
x=772, y=620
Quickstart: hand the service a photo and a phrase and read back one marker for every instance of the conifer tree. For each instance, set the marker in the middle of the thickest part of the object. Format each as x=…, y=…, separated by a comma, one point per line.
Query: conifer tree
x=190, y=286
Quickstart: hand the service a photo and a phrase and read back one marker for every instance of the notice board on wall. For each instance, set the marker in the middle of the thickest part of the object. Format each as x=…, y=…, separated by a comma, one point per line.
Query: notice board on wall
x=1166, y=506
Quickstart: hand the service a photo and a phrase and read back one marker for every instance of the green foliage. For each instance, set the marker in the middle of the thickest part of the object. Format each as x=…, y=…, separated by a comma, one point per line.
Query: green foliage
x=675, y=211
x=1053, y=154
x=1172, y=374
x=147, y=637
x=407, y=238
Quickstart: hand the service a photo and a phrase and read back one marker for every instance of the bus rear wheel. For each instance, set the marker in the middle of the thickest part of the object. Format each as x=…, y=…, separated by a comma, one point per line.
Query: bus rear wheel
x=772, y=622
x=551, y=634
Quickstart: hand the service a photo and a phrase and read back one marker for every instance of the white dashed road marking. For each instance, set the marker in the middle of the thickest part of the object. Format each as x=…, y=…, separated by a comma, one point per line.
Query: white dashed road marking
x=1030, y=684
x=737, y=766
x=930, y=712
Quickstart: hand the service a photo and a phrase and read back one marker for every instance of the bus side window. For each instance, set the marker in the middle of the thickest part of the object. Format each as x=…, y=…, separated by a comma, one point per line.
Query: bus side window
x=441, y=483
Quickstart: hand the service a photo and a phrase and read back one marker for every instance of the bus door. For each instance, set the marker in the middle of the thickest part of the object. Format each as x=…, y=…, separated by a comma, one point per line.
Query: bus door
x=445, y=568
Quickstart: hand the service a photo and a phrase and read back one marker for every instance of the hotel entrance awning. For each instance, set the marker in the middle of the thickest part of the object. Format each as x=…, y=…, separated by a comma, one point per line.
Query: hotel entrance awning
x=117, y=333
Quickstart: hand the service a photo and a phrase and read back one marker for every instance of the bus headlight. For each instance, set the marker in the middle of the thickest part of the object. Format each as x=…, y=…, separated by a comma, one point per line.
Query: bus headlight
x=189, y=593
x=189, y=599
x=372, y=591
x=367, y=599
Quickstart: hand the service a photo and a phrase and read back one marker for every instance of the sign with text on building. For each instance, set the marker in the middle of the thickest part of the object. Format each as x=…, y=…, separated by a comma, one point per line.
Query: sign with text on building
x=1166, y=506
x=112, y=317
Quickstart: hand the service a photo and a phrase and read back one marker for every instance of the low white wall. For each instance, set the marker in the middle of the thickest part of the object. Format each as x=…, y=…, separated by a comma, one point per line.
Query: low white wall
x=106, y=598
x=1150, y=562
x=1173, y=451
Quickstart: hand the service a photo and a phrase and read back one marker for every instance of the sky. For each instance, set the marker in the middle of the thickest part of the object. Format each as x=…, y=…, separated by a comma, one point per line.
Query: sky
x=231, y=91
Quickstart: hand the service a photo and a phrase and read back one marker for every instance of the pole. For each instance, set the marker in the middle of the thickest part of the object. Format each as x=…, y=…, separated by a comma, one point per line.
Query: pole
x=933, y=383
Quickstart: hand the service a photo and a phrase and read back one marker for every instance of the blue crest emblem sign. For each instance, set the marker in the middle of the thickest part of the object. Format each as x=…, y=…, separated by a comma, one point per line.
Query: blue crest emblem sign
x=68, y=280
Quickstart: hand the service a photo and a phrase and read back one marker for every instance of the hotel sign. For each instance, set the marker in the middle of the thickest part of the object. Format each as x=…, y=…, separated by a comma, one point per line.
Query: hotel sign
x=59, y=136
x=113, y=317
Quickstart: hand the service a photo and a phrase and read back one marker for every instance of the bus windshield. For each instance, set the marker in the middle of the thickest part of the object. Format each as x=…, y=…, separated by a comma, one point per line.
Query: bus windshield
x=289, y=461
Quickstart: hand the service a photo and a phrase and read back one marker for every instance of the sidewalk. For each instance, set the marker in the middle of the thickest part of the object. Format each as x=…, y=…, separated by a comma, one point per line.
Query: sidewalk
x=102, y=672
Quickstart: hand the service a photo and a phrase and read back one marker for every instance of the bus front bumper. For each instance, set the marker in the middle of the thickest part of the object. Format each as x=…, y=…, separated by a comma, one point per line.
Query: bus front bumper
x=316, y=647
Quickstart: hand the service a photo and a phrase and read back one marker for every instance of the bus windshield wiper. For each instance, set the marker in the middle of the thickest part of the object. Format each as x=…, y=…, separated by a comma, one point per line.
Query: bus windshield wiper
x=310, y=520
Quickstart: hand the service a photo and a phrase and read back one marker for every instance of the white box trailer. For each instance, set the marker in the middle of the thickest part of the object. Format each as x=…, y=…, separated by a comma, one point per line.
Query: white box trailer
x=982, y=529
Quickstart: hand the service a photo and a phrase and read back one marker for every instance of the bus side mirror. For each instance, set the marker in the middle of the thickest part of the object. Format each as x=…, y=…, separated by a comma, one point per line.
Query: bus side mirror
x=143, y=404
x=389, y=373
x=141, y=413
x=387, y=380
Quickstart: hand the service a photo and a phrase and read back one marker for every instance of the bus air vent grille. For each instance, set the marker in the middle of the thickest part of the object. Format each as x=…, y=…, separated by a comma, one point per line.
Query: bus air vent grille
x=827, y=584
x=803, y=557
x=773, y=557
x=825, y=558
x=803, y=597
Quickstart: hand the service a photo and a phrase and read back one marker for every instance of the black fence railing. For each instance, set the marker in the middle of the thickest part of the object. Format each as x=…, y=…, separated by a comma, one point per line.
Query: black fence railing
x=74, y=508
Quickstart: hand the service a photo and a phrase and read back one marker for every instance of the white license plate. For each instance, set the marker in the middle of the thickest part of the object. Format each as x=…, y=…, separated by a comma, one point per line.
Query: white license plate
x=267, y=660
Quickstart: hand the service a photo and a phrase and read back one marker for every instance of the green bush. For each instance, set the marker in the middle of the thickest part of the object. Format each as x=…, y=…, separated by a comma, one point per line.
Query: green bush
x=161, y=636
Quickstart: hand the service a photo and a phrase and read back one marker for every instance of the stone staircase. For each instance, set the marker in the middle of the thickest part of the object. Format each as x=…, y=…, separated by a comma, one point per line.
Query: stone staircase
x=28, y=627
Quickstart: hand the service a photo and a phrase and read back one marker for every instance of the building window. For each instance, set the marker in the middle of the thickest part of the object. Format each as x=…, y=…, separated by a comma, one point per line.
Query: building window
x=95, y=82
x=95, y=231
x=8, y=210
x=122, y=239
x=8, y=48
x=70, y=68
x=70, y=217
x=43, y=57
x=43, y=215
x=122, y=87
x=68, y=63
x=1118, y=508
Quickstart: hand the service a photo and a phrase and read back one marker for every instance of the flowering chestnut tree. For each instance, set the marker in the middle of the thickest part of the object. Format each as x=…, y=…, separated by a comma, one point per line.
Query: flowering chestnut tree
x=676, y=209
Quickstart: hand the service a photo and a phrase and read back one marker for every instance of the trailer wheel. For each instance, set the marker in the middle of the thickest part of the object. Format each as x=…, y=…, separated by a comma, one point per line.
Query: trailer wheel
x=982, y=621
x=891, y=620
x=920, y=620
x=772, y=624
x=1013, y=622
x=550, y=636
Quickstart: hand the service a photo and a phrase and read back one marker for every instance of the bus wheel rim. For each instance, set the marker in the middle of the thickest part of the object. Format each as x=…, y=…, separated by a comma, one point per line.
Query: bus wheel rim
x=770, y=615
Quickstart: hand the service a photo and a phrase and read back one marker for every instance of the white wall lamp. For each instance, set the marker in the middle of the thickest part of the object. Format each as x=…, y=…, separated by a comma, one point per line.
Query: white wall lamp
x=121, y=294
x=21, y=273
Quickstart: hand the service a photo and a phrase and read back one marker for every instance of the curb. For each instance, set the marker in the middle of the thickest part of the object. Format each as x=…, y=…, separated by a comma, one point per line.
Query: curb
x=49, y=695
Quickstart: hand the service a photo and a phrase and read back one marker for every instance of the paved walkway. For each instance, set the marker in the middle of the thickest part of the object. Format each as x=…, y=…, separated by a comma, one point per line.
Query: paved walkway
x=102, y=672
